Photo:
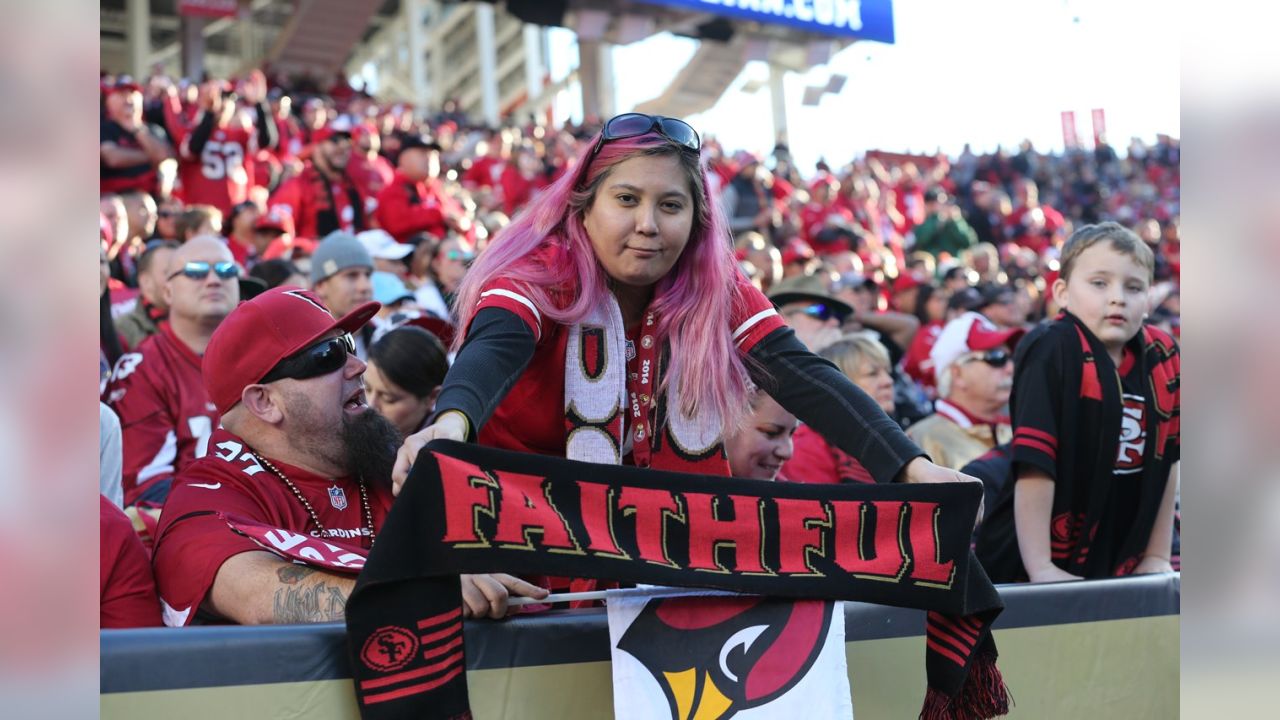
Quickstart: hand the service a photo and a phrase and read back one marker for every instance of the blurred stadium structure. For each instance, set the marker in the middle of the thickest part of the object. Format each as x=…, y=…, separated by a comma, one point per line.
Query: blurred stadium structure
x=491, y=58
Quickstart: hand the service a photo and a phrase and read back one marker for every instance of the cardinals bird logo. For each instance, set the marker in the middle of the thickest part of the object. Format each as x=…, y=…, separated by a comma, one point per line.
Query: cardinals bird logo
x=716, y=656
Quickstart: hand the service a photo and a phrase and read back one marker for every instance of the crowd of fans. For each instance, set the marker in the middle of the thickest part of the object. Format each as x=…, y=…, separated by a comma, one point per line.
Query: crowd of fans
x=915, y=275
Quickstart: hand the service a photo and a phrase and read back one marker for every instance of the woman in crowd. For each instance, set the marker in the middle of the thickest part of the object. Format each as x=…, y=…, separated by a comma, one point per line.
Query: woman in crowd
x=406, y=367
x=764, y=442
x=815, y=460
x=440, y=271
x=619, y=283
x=931, y=311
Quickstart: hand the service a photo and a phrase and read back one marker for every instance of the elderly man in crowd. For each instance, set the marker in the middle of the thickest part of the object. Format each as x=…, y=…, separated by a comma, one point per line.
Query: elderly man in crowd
x=165, y=414
x=302, y=465
x=973, y=360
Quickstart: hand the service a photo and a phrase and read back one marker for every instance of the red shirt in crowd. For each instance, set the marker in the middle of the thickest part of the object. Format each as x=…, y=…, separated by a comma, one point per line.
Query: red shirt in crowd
x=310, y=194
x=229, y=485
x=370, y=177
x=165, y=414
x=222, y=173
x=916, y=362
x=485, y=171
x=406, y=207
x=518, y=190
x=813, y=218
x=126, y=588
x=814, y=460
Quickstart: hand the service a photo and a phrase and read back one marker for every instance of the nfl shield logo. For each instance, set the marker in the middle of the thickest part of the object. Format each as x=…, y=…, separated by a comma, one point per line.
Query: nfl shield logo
x=337, y=498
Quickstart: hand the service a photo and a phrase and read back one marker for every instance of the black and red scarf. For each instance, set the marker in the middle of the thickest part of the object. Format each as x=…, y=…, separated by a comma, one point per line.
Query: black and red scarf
x=472, y=509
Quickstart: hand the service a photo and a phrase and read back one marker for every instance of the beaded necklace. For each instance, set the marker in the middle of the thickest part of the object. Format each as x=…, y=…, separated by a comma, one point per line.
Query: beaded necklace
x=315, y=519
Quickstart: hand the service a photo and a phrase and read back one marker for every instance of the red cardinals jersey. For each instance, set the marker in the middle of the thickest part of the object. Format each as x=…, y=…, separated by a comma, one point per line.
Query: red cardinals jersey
x=165, y=414
x=222, y=173
x=126, y=589
x=229, y=486
x=309, y=195
x=531, y=417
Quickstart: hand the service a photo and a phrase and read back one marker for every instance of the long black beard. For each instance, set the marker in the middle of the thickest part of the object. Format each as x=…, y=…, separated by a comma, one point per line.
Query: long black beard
x=369, y=443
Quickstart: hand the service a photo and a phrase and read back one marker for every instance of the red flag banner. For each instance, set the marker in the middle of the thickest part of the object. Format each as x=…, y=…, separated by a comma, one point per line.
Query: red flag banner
x=1070, y=139
x=209, y=8
x=1099, y=126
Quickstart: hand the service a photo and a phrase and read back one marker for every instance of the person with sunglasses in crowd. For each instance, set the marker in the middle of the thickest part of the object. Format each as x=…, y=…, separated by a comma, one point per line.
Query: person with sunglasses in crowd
x=165, y=414
x=301, y=464
x=814, y=314
x=446, y=266
x=973, y=366
x=614, y=302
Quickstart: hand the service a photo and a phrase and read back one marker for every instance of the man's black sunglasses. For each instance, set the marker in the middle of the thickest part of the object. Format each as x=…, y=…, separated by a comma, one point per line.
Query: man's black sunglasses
x=995, y=358
x=328, y=355
x=199, y=270
x=628, y=125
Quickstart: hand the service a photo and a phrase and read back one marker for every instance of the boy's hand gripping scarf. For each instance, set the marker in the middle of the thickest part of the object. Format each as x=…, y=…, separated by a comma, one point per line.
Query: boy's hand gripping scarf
x=471, y=509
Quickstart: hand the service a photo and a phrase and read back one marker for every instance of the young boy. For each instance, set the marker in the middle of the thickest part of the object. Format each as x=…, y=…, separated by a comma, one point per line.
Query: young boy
x=1095, y=410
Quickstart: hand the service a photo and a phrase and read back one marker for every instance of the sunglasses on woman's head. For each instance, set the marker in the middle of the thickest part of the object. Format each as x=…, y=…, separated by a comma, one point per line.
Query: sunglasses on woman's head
x=997, y=358
x=199, y=270
x=327, y=356
x=462, y=255
x=628, y=125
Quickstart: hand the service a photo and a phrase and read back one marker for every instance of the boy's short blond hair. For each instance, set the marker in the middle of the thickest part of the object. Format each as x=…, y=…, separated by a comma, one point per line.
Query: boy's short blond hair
x=1122, y=239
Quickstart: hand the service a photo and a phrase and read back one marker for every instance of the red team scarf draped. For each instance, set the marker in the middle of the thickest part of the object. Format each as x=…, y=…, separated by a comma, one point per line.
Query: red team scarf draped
x=471, y=509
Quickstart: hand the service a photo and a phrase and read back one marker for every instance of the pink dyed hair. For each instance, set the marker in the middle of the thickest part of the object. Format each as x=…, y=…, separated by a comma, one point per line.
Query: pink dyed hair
x=694, y=301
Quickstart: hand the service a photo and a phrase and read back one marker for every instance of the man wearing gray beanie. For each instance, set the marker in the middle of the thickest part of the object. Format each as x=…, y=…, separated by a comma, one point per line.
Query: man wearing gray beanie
x=340, y=270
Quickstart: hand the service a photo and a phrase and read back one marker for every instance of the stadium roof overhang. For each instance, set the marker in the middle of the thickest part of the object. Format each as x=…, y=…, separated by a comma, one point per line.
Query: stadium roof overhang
x=794, y=35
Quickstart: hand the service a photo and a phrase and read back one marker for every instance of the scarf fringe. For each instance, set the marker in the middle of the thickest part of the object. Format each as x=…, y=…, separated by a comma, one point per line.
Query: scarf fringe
x=983, y=695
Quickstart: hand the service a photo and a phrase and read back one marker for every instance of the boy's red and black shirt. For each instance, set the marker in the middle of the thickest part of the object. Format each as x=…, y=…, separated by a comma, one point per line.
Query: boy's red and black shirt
x=1067, y=408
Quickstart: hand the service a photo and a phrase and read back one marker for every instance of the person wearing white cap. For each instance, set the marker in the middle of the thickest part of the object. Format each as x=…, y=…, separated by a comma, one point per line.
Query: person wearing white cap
x=973, y=361
x=388, y=255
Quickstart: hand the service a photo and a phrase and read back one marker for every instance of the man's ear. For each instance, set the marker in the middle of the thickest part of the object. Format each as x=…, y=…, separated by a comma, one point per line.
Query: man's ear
x=166, y=292
x=263, y=404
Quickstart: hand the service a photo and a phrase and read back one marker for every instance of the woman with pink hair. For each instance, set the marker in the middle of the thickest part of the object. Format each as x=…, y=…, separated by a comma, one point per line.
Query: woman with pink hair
x=609, y=323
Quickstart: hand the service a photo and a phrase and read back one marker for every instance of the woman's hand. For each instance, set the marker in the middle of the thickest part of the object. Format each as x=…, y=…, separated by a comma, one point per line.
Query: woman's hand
x=921, y=470
x=450, y=426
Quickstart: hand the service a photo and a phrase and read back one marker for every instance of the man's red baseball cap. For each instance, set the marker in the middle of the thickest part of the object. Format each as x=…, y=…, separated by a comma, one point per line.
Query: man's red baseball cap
x=260, y=333
x=796, y=250
x=275, y=220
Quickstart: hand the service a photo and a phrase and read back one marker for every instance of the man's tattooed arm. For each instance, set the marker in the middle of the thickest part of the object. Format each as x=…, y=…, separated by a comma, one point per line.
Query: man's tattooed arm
x=308, y=595
x=259, y=588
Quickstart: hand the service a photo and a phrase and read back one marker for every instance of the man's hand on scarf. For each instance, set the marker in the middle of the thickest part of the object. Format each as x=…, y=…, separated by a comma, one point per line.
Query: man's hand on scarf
x=486, y=595
x=921, y=470
x=449, y=426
